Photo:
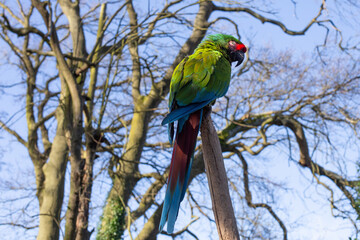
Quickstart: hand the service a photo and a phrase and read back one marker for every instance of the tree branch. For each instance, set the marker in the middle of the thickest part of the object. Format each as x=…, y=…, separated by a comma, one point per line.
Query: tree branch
x=217, y=179
x=22, y=31
x=305, y=160
x=11, y=13
x=133, y=48
x=14, y=133
x=248, y=196
x=272, y=21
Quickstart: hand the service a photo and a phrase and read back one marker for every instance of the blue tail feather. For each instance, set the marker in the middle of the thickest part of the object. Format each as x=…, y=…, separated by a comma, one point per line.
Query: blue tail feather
x=180, y=168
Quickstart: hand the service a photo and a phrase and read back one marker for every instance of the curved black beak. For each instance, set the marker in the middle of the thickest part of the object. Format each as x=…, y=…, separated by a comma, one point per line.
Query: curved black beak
x=237, y=56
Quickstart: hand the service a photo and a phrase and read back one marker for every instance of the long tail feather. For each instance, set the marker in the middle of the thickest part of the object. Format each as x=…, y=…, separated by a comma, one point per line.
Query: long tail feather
x=180, y=168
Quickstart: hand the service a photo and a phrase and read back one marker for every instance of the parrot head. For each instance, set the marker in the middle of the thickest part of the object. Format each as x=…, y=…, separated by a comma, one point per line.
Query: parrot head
x=237, y=51
x=232, y=47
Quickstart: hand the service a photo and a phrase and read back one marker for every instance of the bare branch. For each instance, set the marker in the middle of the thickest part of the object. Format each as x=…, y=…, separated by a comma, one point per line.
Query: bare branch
x=133, y=48
x=305, y=161
x=248, y=196
x=14, y=133
x=272, y=21
x=19, y=225
x=161, y=15
x=22, y=31
x=11, y=13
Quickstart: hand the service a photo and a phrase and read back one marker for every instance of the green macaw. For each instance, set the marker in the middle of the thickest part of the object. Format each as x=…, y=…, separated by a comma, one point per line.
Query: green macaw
x=197, y=81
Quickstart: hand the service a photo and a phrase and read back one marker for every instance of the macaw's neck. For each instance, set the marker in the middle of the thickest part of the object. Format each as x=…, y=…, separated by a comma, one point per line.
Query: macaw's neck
x=208, y=45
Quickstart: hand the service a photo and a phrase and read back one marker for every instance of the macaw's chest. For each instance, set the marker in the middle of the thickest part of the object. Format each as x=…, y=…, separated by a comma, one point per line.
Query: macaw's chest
x=204, y=76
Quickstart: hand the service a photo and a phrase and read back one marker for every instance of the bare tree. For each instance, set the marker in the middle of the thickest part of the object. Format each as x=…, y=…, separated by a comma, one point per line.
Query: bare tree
x=95, y=79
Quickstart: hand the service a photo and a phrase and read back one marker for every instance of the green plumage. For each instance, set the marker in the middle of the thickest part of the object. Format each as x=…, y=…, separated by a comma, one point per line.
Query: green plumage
x=204, y=75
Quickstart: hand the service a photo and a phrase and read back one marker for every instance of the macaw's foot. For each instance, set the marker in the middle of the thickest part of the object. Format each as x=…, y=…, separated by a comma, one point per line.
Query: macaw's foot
x=206, y=110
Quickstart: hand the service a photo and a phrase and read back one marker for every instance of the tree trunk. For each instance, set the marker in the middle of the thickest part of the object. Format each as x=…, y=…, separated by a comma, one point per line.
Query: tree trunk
x=53, y=192
x=124, y=180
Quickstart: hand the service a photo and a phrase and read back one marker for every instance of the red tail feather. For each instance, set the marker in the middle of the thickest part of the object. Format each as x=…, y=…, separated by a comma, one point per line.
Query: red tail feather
x=183, y=148
x=180, y=167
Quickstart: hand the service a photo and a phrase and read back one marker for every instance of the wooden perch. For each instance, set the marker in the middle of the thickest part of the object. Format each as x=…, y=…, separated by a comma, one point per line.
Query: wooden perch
x=218, y=183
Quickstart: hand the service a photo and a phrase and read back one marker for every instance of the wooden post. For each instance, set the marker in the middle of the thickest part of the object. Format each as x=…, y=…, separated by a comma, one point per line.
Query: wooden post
x=218, y=183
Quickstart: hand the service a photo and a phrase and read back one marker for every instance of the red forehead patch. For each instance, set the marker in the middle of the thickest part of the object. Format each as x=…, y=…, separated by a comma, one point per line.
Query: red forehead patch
x=241, y=47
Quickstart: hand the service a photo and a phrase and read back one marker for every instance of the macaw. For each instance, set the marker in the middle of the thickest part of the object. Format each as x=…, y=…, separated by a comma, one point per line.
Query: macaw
x=196, y=82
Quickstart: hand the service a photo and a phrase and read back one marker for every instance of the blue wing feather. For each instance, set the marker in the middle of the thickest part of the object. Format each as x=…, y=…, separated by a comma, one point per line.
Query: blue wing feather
x=184, y=111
